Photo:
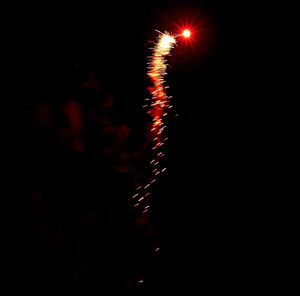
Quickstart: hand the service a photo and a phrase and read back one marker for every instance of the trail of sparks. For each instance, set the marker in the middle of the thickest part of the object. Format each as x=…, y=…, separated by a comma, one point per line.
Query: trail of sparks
x=158, y=109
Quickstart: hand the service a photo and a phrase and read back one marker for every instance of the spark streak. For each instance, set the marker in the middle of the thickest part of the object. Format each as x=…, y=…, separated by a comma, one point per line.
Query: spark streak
x=158, y=107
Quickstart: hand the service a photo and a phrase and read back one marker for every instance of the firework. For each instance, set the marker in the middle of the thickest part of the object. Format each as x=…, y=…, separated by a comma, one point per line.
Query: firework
x=158, y=110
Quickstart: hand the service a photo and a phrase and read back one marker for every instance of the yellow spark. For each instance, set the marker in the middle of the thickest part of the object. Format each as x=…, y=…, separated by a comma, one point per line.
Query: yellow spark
x=166, y=41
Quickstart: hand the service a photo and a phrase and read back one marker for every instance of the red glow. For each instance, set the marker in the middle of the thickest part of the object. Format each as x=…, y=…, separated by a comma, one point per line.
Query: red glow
x=186, y=33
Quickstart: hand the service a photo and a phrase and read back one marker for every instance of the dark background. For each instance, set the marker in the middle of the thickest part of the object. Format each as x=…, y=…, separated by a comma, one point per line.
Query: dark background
x=79, y=145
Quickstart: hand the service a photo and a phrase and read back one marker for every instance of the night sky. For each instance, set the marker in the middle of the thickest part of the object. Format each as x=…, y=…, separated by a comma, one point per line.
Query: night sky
x=79, y=144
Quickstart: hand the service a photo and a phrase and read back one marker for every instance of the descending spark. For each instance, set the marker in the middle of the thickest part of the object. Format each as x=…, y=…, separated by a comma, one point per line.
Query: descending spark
x=160, y=100
x=159, y=104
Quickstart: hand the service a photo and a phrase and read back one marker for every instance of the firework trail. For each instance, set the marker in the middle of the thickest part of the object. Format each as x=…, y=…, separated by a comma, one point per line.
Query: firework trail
x=160, y=100
x=159, y=103
x=158, y=108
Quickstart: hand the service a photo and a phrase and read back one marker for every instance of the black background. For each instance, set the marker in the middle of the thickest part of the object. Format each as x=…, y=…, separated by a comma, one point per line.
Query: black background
x=205, y=210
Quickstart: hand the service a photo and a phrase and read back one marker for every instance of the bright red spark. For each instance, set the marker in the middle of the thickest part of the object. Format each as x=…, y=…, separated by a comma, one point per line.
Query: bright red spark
x=186, y=33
